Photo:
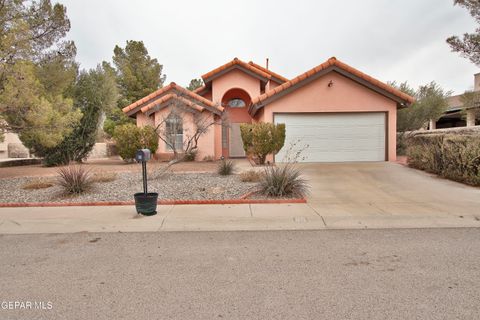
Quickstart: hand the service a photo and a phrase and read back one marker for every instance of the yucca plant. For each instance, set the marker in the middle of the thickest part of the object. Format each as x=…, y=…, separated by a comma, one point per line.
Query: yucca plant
x=284, y=180
x=74, y=179
x=226, y=167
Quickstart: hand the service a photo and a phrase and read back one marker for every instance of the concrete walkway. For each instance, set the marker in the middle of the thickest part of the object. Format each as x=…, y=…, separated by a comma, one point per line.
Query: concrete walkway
x=213, y=218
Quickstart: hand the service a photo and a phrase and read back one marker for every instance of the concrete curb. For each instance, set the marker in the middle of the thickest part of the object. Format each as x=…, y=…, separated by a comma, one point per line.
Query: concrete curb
x=160, y=202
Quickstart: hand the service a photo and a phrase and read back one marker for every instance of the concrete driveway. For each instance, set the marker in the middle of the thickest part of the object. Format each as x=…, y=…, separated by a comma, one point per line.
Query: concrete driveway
x=384, y=189
x=344, y=196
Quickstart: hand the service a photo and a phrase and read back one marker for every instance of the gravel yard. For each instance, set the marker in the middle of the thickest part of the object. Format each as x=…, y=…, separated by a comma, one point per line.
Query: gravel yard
x=175, y=186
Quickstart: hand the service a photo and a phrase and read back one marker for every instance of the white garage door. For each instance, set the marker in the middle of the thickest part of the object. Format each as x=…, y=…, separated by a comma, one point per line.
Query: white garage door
x=334, y=137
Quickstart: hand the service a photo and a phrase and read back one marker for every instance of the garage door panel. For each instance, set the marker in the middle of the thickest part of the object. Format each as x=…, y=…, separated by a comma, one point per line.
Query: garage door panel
x=335, y=137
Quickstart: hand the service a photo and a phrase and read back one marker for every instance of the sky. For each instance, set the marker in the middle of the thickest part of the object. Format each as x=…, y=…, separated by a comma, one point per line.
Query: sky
x=391, y=40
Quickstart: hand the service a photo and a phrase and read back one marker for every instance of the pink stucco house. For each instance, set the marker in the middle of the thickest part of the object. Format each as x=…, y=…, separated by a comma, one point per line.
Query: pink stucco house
x=339, y=112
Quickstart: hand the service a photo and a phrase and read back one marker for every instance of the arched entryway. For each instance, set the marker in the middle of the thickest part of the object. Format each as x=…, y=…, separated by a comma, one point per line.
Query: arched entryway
x=236, y=102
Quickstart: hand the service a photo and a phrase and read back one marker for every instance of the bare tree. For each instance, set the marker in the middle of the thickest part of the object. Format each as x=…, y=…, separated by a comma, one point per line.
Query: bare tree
x=180, y=139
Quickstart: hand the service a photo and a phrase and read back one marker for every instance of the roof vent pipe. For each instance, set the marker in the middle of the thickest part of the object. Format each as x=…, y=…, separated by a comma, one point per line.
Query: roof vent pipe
x=266, y=63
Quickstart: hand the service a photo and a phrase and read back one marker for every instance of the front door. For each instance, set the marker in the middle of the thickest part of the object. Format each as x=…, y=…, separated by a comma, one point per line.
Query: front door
x=235, y=142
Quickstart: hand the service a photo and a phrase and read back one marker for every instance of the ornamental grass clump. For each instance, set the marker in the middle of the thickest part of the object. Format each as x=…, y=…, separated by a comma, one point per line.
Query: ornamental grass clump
x=283, y=181
x=251, y=176
x=74, y=179
x=226, y=167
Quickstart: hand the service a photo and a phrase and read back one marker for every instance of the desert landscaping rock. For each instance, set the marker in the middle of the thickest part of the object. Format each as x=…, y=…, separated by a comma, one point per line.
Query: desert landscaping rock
x=175, y=186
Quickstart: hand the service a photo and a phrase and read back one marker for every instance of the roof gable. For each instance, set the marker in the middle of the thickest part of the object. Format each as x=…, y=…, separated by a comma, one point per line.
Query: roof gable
x=236, y=64
x=330, y=65
x=176, y=90
x=274, y=76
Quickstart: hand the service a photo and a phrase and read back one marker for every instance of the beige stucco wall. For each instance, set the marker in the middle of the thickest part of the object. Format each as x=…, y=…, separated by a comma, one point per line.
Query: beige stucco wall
x=344, y=96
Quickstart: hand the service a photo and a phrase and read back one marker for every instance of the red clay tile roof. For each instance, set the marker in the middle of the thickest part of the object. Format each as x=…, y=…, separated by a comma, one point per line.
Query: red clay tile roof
x=270, y=72
x=199, y=89
x=171, y=86
x=234, y=62
x=168, y=97
x=333, y=62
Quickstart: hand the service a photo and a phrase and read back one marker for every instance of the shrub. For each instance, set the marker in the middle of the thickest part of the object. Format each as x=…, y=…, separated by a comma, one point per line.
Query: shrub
x=129, y=138
x=208, y=158
x=251, y=176
x=191, y=155
x=74, y=179
x=262, y=139
x=226, y=167
x=453, y=156
x=284, y=180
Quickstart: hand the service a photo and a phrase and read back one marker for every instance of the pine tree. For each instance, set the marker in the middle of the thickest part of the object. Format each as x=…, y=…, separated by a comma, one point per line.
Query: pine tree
x=95, y=93
x=469, y=45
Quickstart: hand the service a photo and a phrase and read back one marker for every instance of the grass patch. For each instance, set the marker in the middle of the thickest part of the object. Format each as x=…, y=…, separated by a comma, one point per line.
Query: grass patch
x=104, y=177
x=37, y=185
x=251, y=176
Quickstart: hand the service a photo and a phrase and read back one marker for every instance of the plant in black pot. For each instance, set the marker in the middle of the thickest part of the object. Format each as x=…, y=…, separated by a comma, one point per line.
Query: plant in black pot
x=145, y=202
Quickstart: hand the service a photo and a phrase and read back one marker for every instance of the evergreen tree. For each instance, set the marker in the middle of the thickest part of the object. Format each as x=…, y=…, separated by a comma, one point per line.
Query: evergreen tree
x=430, y=103
x=36, y=70
x=195, y=84
x=469, y=45
x=94, y=94
x=137, y=73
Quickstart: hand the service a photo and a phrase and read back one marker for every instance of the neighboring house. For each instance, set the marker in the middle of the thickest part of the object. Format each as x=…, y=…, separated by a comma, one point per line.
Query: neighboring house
x=12, y=147
x=456, y=116
x=341, y=113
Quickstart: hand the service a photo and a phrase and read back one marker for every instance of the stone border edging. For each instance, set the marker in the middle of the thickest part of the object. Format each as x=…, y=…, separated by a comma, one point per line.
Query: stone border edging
x=160, y=202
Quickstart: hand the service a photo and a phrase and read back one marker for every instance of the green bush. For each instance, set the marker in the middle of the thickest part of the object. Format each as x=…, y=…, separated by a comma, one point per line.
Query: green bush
x=114, y=119
x=453, y=156
x=129, y=138
x=284, y=180
x=262, y=139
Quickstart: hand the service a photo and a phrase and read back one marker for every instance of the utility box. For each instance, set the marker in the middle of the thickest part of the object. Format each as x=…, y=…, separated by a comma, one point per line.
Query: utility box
x=143, y=155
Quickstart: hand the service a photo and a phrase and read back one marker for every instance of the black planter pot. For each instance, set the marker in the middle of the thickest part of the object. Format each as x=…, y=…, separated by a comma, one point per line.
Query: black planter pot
x=146, y=204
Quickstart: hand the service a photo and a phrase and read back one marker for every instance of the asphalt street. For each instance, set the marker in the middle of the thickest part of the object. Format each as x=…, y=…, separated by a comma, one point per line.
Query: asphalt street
x=327, y=274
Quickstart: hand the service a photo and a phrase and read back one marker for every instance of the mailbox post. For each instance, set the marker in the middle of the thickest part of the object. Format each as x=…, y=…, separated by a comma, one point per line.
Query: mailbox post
x=143, y=155
x=145, y=202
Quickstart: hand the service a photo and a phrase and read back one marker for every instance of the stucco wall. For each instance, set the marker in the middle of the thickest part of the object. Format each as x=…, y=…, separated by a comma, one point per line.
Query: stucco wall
x=344, y=96
x=206, y=143
x=143, y=120
x=234, y=79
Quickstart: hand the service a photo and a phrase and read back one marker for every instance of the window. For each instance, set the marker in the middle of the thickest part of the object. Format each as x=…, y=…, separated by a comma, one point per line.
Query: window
x=236, y=103
x=174, y=132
